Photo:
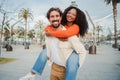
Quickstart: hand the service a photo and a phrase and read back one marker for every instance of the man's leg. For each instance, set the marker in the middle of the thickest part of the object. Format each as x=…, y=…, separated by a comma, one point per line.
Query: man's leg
x=57, y=72
x=38, y=66
x=72, y=66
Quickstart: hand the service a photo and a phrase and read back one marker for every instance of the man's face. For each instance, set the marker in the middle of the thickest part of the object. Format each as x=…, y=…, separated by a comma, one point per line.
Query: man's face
x=55, y=19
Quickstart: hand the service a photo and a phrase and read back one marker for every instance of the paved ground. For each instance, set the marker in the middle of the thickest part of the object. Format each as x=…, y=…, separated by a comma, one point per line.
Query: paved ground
x=102, y=66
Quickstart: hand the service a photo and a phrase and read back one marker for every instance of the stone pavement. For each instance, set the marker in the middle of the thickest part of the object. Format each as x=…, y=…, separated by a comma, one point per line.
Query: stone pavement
x=99, y=66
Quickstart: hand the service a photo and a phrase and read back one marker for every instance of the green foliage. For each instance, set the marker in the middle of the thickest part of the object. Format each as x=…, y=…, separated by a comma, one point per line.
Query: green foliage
x=31, y=34
x=6, y=60
x=109, y=37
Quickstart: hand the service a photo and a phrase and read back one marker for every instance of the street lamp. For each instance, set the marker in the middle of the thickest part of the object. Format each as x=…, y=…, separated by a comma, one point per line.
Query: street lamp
x=73, y=3
x=92, y=49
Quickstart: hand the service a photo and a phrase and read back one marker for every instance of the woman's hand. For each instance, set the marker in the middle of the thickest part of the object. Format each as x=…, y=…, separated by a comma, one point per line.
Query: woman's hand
x=63, y=39
x=47, y=33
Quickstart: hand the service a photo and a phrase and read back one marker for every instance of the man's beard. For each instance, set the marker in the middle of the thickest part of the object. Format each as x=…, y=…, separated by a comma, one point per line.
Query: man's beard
x=55, y=26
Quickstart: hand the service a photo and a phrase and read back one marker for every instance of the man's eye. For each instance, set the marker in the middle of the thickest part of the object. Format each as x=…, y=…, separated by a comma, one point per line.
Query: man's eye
x=57, y=15
x=51, y=16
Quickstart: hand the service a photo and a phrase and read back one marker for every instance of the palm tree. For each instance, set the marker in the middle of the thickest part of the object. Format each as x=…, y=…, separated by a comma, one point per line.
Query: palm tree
x=20, y=32
x=114, y=4
x=25, y=14
x=31, y=34
x=98, y=29
x=40, y=26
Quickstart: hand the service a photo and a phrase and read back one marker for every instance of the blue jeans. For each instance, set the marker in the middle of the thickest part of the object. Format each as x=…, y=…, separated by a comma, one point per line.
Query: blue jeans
x=40, y=62
x=72, y=65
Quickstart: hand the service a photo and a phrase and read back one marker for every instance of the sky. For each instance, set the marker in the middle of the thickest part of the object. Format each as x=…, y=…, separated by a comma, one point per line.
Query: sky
x=97, y=9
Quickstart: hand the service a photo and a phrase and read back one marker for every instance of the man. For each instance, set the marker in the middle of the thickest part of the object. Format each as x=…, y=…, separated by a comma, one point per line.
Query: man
x=59, y=51
x=55, y=48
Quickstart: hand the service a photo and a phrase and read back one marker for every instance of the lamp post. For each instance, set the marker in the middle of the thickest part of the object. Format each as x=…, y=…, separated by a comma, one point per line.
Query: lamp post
x=94, y=28
x=73, y=3
x=92, y=48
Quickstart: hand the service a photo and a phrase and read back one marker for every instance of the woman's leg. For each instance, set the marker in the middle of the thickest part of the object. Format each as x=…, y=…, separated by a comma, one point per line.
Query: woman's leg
x=72, y=66
x=38, y=66
x=40, y=62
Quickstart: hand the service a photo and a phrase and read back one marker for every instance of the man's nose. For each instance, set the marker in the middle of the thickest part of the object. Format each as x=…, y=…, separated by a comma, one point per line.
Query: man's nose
x=55, y=18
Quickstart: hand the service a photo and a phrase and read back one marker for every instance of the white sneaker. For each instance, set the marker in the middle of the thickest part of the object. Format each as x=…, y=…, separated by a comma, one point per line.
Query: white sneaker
x=29, y=76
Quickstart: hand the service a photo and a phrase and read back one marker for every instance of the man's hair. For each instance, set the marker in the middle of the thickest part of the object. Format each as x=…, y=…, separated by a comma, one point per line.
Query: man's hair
x=53, y=9
x=80, y=20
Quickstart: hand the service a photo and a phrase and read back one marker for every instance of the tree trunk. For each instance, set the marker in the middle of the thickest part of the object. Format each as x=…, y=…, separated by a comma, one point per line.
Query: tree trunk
x=98, y=36
x=115, y=22
x=25, y=35
x=2, y=32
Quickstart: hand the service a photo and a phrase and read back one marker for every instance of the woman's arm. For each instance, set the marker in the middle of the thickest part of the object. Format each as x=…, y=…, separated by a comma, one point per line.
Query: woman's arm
x=73, y=30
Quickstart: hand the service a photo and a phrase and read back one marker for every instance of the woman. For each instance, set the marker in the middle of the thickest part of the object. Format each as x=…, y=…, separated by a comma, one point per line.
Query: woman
x=75, y=23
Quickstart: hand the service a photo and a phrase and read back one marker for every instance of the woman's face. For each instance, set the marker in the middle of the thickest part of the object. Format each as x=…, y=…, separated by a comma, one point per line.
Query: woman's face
x=71, y=15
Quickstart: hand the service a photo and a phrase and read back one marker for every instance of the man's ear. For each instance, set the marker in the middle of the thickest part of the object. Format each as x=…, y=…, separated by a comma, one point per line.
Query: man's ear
x=61, y=17
x=49, y=20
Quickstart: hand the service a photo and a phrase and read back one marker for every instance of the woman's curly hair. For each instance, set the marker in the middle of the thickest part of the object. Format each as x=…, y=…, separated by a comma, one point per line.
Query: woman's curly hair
x=80, y=20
